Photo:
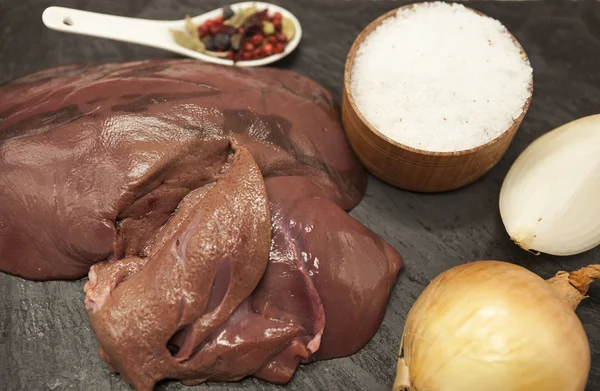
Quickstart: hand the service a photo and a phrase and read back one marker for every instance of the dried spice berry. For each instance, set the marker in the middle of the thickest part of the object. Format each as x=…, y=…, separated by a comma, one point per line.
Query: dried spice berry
x=257, y=39
x=268, y=49
x=222, y=41
x=227, y=12
x=202, y=30
x=215, y=29
x=209, y=43
x=279, y=48
x=240, y=36
x=281, y=37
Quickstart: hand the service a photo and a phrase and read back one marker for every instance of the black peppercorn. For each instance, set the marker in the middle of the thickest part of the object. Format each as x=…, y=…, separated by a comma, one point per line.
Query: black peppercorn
x=222, y=41
x=227, y=12
x=209, y=44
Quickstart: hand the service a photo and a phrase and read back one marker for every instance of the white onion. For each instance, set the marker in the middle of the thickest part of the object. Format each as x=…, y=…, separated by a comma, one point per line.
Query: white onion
x=550, y=199
x=495, y=326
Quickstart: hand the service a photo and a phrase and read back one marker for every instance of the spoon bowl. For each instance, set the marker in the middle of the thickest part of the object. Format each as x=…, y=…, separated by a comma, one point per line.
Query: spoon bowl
x=155, y=33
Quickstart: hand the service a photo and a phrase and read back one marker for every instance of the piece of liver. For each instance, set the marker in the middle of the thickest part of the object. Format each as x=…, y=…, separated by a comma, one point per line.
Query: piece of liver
x=209, y=203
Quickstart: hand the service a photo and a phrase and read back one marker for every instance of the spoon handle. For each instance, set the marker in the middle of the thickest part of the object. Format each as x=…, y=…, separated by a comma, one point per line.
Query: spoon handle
x=140, y=31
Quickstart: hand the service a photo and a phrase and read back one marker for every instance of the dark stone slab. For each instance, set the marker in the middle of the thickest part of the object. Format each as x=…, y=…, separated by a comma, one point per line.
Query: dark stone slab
x=45, y=340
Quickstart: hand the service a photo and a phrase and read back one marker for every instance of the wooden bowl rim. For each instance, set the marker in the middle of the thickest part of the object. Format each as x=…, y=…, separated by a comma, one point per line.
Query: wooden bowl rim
x=348, y=71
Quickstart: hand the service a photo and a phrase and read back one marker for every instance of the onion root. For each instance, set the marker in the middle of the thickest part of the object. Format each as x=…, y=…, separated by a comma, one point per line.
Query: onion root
x=574, y=286
x=402, y=382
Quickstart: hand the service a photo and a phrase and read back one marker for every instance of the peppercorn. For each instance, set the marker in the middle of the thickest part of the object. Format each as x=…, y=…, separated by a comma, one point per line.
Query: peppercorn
x=202, y=30
x=279, y=47
x=248, y=47
x=209, y=44
x=247, y=56
x=281, y=37
x=214, y=29
x=272, y=39
x=268, y=49
x=277, y=24
x=222, y=41
x=257, y=39
x=227, y=12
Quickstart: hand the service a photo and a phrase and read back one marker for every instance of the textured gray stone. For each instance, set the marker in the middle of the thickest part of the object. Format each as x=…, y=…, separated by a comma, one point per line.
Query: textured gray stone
x=45, y=340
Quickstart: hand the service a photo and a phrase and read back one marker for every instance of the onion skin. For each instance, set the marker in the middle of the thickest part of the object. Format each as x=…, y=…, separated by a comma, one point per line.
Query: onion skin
x=493, y=326
x=574, y=286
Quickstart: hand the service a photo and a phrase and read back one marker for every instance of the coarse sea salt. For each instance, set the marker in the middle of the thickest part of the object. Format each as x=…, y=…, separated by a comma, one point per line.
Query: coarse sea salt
x=440, y=77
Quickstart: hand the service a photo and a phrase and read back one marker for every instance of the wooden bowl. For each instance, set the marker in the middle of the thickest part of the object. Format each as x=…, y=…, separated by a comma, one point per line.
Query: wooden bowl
x=410, y=168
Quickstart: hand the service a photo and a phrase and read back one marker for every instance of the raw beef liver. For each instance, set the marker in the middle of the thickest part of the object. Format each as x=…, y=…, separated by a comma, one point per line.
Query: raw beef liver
x=209, y=203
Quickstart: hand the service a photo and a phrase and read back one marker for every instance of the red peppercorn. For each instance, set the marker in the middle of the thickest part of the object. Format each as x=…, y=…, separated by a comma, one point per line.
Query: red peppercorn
x=272, y=39
x=279, y=47
x=209, y=24
x=215, y=28
x=247, y=56
x=281, y=37
x=257, y=39
x=277, y=24
x=202, y=30
x=277, y=15
x=258, y=53
x=248, y=47
x=219, y=20
x=241, y=29
x=268, y=49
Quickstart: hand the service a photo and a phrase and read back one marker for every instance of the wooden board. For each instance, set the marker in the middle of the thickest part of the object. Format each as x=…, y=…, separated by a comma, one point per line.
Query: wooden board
x=45, y=340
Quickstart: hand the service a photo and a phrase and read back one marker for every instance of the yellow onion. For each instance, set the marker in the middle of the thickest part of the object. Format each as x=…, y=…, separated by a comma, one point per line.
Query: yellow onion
x=495, y=326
